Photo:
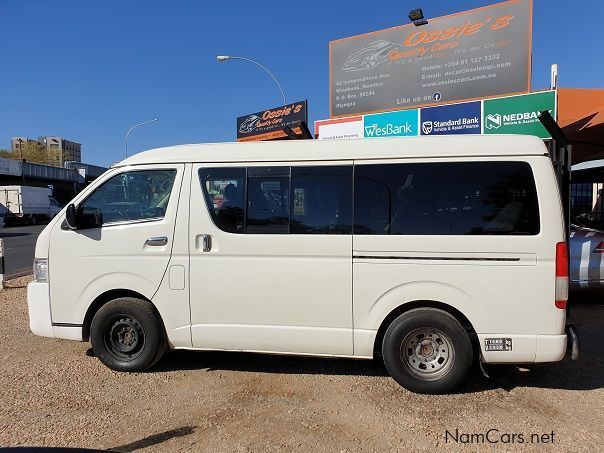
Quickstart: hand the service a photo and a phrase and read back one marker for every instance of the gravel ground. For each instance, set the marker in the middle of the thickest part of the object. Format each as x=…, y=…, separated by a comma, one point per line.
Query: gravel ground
x=55, y=393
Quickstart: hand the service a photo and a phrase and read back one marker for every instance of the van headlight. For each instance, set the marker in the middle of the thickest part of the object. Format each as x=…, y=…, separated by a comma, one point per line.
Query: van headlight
x=41, y=270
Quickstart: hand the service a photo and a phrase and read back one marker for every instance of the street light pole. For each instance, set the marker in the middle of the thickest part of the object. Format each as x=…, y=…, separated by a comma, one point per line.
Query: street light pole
x=134, y=127
x=221, y=58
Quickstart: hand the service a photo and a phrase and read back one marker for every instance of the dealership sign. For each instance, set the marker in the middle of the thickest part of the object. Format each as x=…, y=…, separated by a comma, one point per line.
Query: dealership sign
x=451, y=119
x=269, y=124
x=475, y=54
x=508, y=115
x=518, y=114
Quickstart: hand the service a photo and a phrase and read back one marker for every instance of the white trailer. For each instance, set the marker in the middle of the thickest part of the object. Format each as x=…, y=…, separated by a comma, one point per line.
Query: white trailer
x=25, y=204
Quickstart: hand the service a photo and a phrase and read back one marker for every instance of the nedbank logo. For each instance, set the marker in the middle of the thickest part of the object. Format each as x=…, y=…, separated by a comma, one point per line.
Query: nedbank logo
x=492, y=121
x=518, y=114
x=394, y=124
x=495, y=121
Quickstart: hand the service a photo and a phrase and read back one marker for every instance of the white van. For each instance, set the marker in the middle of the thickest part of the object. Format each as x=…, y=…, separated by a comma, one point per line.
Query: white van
x=430, y=252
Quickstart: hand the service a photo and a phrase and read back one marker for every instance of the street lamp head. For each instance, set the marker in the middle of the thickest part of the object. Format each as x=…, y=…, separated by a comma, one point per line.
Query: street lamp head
x=221, y=58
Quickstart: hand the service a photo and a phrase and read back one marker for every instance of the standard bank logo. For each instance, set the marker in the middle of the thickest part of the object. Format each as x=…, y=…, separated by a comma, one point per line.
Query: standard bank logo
x=427, y=127
x=493, y=121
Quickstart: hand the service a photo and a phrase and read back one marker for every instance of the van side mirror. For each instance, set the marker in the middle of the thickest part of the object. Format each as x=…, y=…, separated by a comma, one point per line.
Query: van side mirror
x=71, y=217
x=91, y=218
x=77, y=219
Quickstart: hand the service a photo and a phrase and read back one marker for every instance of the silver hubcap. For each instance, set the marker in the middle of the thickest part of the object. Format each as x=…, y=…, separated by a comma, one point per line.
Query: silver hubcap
x=428, y=353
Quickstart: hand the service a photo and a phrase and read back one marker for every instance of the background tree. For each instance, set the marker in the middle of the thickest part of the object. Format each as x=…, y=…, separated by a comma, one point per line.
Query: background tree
x=33, y=151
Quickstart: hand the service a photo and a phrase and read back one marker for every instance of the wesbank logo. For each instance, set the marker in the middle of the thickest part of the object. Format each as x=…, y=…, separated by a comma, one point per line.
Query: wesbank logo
x=394, y=124
x=389, y=129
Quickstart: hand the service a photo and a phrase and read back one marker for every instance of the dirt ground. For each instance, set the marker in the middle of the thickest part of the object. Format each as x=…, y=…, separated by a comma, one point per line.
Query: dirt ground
x=55, y=393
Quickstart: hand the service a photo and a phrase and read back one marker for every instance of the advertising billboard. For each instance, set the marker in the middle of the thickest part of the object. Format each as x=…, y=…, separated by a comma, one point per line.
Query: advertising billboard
x=507, y=115
x=451, y=119
x=269, y=124
x=518, y=114
x=484, y=52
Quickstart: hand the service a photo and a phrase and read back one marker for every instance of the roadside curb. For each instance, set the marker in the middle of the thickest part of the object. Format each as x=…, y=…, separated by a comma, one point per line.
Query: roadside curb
x=18, y=274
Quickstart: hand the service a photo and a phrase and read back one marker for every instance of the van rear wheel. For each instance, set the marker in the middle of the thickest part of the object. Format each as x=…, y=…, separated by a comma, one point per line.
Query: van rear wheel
x=127, y=335
x=427, y=350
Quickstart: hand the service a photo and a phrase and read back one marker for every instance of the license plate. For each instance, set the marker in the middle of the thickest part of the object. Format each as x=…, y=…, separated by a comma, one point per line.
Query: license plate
x=498, y=344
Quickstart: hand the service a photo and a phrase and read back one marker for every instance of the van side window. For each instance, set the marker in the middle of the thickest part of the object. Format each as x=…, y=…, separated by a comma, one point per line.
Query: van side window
x=455, y=198
x=132, y=196
x=224, y=190
x=268, y=200
x=321, y=200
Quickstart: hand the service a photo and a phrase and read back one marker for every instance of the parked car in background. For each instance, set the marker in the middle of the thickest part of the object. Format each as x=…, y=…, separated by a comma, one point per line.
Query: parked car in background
x=54, y=208
x=586, y=257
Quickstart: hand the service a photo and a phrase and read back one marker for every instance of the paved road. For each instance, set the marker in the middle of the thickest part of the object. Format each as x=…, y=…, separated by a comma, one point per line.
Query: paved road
x=19, y=247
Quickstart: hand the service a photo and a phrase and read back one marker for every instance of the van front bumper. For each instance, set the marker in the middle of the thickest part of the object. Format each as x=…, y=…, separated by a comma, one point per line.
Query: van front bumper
x=40, y=318
x=38, y=303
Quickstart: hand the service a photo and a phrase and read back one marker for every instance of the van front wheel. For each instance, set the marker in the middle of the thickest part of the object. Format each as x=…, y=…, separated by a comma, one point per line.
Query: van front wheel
x=427, y=350
x=127, y=335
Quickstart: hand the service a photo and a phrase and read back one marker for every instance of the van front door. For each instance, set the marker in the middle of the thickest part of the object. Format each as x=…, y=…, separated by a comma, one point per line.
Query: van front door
x=130, y=251
x=271, y=258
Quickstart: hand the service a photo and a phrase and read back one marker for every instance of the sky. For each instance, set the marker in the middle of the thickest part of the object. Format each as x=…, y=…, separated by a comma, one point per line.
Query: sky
x=87, y=70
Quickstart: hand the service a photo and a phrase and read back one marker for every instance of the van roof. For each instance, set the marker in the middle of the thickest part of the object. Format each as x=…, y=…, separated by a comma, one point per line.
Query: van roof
x=355, y=149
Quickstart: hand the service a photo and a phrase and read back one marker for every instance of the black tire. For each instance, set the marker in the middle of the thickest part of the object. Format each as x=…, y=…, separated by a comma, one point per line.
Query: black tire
x=33, y=220
x=128, y=335
x=427, y=350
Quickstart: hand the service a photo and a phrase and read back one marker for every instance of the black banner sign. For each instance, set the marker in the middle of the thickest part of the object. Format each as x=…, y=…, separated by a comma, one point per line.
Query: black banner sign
x=269, y=124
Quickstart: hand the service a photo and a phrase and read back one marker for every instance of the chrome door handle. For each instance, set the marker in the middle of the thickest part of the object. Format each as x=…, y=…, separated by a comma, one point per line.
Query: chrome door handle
x=158, y=241
x=206, y=242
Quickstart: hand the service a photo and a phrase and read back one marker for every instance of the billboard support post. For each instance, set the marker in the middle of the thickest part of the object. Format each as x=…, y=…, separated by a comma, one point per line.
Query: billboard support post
x=553, y=85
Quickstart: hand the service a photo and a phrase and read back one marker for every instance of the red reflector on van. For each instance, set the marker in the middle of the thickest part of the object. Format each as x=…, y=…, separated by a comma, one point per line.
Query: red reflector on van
x=599, y=248
x=561, y=275
x=561, y=259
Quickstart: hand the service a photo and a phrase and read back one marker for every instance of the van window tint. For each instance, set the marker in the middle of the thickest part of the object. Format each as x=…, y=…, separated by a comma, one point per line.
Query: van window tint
x=224, y=190
x=321, y=200
x=132, y=196
x=268, y=200
x=466, y=198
